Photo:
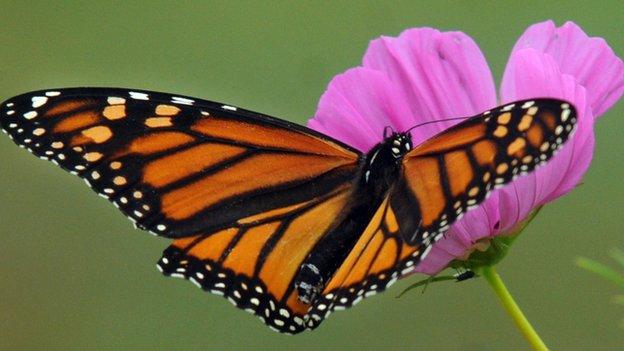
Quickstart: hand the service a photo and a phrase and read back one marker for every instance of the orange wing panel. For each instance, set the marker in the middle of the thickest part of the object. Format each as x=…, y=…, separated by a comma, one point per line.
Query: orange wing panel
x=304, y=232
x=181, y=164
x=423, y=177
x=268, y=136
x=258, y=172
x=455, y=137
x=242, y=259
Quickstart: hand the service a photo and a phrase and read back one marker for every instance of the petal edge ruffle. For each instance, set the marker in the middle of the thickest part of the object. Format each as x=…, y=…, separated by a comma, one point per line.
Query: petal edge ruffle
x=443, y=74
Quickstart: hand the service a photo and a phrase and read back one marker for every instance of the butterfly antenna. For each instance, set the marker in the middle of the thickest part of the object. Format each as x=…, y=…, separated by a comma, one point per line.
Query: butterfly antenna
x=436, y=121
x=388, y=130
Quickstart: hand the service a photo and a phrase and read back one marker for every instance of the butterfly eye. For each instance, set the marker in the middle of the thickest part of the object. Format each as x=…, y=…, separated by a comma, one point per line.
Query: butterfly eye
x=396, y=152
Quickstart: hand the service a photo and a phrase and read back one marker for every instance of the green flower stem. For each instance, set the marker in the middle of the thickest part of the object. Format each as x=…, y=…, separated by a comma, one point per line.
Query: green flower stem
x=492, y=277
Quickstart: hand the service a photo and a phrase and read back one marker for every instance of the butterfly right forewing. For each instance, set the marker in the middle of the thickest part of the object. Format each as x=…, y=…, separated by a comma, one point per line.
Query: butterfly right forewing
x=455, y=170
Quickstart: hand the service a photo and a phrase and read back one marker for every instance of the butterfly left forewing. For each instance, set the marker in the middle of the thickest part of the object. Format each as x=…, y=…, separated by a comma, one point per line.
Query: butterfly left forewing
x=455, y=170
x=177, y=165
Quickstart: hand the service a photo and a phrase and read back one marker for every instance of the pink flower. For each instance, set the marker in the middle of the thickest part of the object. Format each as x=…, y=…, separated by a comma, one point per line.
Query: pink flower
x=425, y=75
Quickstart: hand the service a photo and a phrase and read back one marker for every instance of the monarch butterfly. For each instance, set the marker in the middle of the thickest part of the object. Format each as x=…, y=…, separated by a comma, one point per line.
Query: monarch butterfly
x=286, y=223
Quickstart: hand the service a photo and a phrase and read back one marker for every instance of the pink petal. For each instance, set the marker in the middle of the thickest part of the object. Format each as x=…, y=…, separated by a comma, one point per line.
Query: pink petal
x=442, y=74
x=530, y=74
x=358, y=105
x=590, y=61
x=582, y=155
x=478, y=223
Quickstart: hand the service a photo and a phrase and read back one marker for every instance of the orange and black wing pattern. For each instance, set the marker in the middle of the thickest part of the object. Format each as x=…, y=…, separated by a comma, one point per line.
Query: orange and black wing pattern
x=455, y=170
x=177, y=166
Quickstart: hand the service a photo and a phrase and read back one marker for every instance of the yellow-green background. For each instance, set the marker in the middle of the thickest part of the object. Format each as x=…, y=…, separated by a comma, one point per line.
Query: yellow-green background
x=74, y=275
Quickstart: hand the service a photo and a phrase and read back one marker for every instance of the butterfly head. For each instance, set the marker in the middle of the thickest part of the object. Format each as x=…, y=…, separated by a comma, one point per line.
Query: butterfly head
x=399, y=143
x=384, y=159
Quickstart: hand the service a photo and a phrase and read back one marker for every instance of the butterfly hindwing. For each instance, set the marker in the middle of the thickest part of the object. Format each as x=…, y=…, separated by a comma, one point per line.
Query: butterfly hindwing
x=175, y=165
x=455, y=170
x=254, y=263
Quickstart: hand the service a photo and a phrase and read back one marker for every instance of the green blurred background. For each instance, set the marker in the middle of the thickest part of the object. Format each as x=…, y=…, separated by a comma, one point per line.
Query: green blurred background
x=74, y=275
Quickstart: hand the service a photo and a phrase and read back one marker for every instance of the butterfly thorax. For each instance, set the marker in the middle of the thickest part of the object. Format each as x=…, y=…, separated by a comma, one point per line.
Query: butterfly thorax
x=382, y=162
x=378, y=170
